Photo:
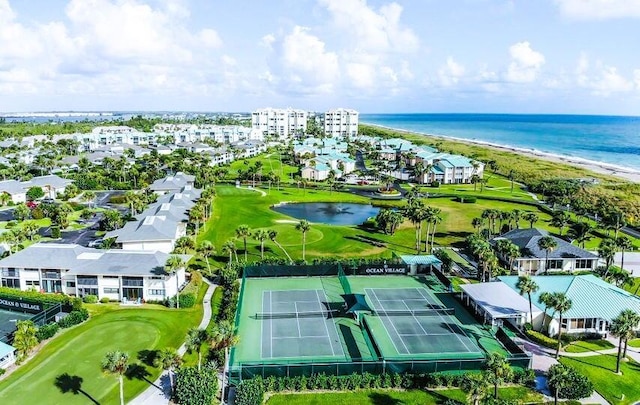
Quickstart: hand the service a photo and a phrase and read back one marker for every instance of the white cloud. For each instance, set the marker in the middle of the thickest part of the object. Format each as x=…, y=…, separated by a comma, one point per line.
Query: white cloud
x=602, y=79
x=599, y=9
x=301, y=63
x=525, y=63
x=451, y=73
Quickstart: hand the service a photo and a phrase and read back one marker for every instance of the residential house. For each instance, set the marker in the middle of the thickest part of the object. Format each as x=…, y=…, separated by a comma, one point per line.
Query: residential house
x=7, y=356
x=534, y=260
x=76, y=270
x=15, y=190
x=52, y=185
x=172, y=183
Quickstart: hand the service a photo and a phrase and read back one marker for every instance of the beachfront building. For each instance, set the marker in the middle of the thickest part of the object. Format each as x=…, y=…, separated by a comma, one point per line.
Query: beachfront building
x=75, y=270
x=448, y=169
x=222, y=134
x=341, y=122
x=533, y=260
x=281, y=123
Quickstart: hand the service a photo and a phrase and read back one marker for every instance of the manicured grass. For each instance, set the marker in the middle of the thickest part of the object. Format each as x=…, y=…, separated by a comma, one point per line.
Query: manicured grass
x=191, y=359
x=633, y=288
x=79, y=351
x=270, y=163
x=234, y=207
x=601, y=371
x=634, y=343
x=582, y=346
x=395, y=397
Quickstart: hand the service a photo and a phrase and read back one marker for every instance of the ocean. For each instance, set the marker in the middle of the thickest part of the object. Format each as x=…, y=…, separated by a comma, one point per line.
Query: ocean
x=613, y=140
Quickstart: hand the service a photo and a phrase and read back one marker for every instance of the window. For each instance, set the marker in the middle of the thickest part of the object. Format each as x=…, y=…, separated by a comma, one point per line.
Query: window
x=111, y=290
x=554, y=264
x=156, y=278
x=71, y=284
x=35, y=283
x=11, y=282
x=156, y=292
x=113, y=277
x=584, y=263
x=590, y=323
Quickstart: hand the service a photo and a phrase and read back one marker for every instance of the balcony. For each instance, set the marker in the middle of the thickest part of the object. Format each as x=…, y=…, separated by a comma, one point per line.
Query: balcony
x=50, y=275
x=10, y=273
x=87, y=281
x=132, y=283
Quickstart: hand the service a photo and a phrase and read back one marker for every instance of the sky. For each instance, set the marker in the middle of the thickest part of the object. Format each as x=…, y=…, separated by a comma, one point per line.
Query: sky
x=376, y=56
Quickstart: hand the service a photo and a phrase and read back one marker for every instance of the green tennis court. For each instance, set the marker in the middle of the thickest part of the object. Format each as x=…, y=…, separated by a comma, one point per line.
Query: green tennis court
x=417, y=323
x=8, y=321
x=297, y=323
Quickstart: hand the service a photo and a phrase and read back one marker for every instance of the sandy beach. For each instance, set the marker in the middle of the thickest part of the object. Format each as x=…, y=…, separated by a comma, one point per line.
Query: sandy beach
x=623, y=173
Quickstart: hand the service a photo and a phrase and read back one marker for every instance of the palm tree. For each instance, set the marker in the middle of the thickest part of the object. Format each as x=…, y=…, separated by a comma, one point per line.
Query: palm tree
x=607, y=251
x=561, y=304
x=243, y=231
x=273, y=234
x=580, y=232
x=171, y=267
x=193, y=343
x=168, y=359
x=633, y=319
x=560, y=219
x=558, y=377
x=88, y=196
x=548, y=244
x=183, y=244
x=196, y=215
x=223, y=336
x=230, y=247
x=531, y=217
x=131, y=198
x=624, y=244
x=261, y=235
x=206, y=250
x=304, y=227
x=509, y=250
x=620, y=327
x=498, y=371
x=434, y=220
x=526, y=285
x=475, y=385
x=24, y=338
x=545, y=298
x=477, y=224
x=116, y=363
x=516, y=215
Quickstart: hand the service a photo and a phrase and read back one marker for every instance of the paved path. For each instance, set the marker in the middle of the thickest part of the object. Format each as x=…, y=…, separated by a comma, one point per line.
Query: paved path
x=159, y=392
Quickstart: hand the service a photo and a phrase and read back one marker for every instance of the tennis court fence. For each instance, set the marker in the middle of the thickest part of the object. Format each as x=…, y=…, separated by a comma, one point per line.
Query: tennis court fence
x=291, y=369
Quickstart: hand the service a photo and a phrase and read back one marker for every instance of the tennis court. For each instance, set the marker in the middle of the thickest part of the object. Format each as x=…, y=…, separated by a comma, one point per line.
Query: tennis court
x=417, y=323
x=297, y=323
x=8, y=321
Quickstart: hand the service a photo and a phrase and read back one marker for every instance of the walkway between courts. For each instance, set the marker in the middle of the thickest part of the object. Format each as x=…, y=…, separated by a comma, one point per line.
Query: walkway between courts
x=159, y=392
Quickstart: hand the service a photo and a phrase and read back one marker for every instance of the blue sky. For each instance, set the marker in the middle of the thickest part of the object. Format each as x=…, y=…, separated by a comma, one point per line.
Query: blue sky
x=542, y=56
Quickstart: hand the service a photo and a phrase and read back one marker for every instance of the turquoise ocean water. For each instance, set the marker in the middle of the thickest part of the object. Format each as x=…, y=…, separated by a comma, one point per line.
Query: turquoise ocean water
x=607, y=139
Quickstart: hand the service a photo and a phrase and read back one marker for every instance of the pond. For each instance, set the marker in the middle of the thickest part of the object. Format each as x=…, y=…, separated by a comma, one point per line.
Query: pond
x=329, y=213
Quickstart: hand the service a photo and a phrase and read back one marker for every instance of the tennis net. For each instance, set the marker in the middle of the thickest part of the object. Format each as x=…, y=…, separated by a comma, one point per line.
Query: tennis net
x=417, y=312
x=285, y=315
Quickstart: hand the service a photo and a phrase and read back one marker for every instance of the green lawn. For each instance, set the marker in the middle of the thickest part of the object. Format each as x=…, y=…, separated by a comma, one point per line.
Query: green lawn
x=634, y=342
x=395, y=397
x=633, y=288
x=582, y=346
x=600, y=370
x=235, y=206
x=270, y=163
x=78, y=352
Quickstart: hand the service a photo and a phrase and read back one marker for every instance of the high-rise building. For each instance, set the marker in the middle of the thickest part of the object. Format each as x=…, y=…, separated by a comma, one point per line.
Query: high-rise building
x=279, y=122
x=341, y=122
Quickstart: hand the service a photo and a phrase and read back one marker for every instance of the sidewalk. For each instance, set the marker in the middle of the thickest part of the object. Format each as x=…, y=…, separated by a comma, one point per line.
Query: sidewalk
x=159, y=393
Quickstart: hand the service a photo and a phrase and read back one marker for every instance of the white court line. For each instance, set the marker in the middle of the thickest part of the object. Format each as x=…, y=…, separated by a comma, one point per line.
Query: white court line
x=333, y=353
x=295, y=305
x=447, y=324
x=271, y=324
x=423, y=334
x=262, y=330
x=385, y=326
x=414, y=318
x=295, y=337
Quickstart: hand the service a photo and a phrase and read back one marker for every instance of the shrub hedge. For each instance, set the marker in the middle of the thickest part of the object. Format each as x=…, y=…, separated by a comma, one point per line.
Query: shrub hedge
x=67, y=302
x=47, y=331
x=542, y=339
x=579, y=386
x=74, y=318
x=187, y=300
x=194, y=387
x=90, y=299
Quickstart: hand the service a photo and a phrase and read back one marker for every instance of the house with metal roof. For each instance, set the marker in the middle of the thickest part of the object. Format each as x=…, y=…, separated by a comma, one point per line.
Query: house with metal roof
x=534, y=260
x=595, y=303
x=77, y=270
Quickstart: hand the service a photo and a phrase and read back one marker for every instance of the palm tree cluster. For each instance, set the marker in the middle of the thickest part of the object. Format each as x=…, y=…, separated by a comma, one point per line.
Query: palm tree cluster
x=496, y=222
x=624, y=327
x=481, y=249
x=419, y=213
x=497, y=371
x=559, y=303
x=389, y=220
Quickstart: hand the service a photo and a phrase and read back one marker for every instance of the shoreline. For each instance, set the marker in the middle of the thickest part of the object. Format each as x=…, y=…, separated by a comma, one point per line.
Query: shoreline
x=621, y=172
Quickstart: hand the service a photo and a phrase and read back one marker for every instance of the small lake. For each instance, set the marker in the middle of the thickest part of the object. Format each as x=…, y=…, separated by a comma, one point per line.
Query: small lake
x=329, y=213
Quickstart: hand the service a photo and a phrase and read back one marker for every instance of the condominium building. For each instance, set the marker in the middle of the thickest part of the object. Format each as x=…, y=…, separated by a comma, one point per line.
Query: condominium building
x=279, y=122
x=341, y=122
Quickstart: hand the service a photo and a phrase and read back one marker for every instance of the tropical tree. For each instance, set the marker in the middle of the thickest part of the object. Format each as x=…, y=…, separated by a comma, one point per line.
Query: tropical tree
x=546, y=299
x=620, y=328
x=477, y=224
x=624, y=244
x=607, y=250
x=560, y=219
x=116, y=363
x=531, y=218
x=304, y=227
x=243, y=232
x=559, y=377
x=580, y=232
x=548, y=244
x=4, y=197
x=434, y=219
x=24, y=338
x=88, y=196
x=475, y=385
x=222, y=337
x=526, y=285
x=498, y=371
x=273, y=234
x=206, y=250
x=261, y=235
x=193, y=343
x=561, y=304
x=509, y=250
x=196, y=216
x=183, y=245
x=21, y=212
x=517, y=216
x=171, y=267
x=168, y=359
x=30, y=229
x=230, y=247
x=633, y=319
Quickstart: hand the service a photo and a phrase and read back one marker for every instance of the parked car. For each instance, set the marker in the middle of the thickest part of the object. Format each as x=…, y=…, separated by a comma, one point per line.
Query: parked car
x=96, y=243
x=48, y=200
